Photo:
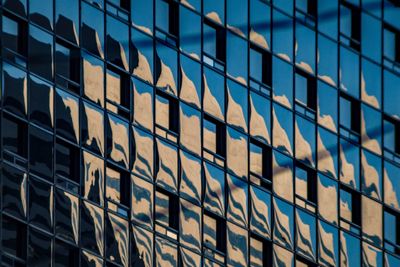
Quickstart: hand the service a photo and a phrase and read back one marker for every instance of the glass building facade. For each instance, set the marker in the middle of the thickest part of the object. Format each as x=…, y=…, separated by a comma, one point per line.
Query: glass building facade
x=200, y=133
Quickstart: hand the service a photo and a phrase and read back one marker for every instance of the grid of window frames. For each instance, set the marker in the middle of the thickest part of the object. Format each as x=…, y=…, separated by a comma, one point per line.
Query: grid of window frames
x=200, y=133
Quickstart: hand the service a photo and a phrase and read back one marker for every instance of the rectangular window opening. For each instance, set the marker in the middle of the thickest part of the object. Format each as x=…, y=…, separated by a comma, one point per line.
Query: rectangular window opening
x=68, y=66
x=167, y=213
x=14, y=37
x=350, y=117
x=350, y=25
x=214, y=38
x=214, y=236
x=118, y=189
x=261, y=164
x=261, y=254
x=67, y=163
x=306, y=187
x=167, y=115
x=118, y=91
x=214, y=137
x=306, y=93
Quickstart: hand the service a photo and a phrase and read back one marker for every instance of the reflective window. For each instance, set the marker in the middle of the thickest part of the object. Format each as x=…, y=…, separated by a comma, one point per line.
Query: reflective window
x=328, y=244
x=167, y=20
x=260, y=67
x=260, y=164
x=260, y=117
x=282, y=82
x=282, y=34
x=350, y=117
x=67, y=19
x=167, y=213
x=237, y=241
x=371, y=43
x=92, y=227
x=117, y=239
x=371, y=83
x=391, y=12
x=15, y=140
x=214, y=10
x=14, y=188
x=166, y=68
x=214, y=136
x=40, y=204
x=190, y=225
x=68, y=66
x=327, y=152
x=236, y=57
x=92, y=29
x=237, y=201
x=283, y=224
x=305, y=94
x=328, y=195
x=327, y=106
x=349, y=162
x=92, y=128
x=118, y=141
x=371, y=174
x=93, y=78
x=306, y=187
x=306, y=240
x=190, y=33
x=261, y=212
x=41, y=153
x=15, y=92
x=392, y=185
x=328, y=17
x=260, y=252
x=67, y=115
x=237, y=16
x=391, y=46
x=214, y=44
x=190, y=128
x=350, y=25
x=390, y=82
x=371, y=125
x=40, y=46
x=117, y=187
x=350, y=252
x=39, y=252
x=143, y=162
x=260, y=23
x=305, y=48
x=142, y=15
x=327, y=60
x=65, y=254
x=283, y=176
x=392, y=228
x=14, y=237
x=305, y=144
x=93, y=178
x=17, y=6
x=167, y=166
x=214, y=236
x=190, y=85
x=237, y=105
x=167, y=114
x=349, y=71
x=67, y=163
x=283, y=129
x=118, y=92
x=350, y=210
x=390, y=131
x=372, y=221
x=14, y=32
x=214, y=197
x=66, y=216
x=143, y=104
x=117, y=43
x=214, y=95
x=191, y=177
x=306, y=10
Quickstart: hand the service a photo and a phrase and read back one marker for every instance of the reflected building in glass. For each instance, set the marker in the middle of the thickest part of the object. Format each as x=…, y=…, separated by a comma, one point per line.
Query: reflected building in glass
x=200, y=133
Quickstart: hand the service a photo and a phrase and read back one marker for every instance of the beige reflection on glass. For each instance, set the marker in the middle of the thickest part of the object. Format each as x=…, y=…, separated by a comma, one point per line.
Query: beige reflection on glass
x=143, y=68
x=93, y=178
x=143, y=164
x=74, y=202
x=166, y=253
x=371, y=177
x=280, y=138
x=167, y=174
x=190, y=130
x=282, y=226
x=304, y=151
x=71, y=107
x=94, y=127
x=93, y=81
x=347, y=170
x=113, y=89
x=236, y=245
x=23, y=194
x=282, y=178
x=260, y=214
x=143, y=240
x=162, y=111
x=142, y=202
x=371, y=220
x=391, y=178
x=97, y=218
x=236, y=149
x=190, y=225
x=326, y=246
x=188, y=90
x=327, y=201
x=119, y=151
x=370, y=255
x=258, y=123
x=214, y=192
x=237, y=201
x=190, y=177
x=370, y=99
x=120, y=231
x=166, y=79
x=326, y=162
x=235, y=115
x=368, y=141
x=90, y=258
x=258, y=39
x=210, y=103
x=282, y=257
x=303, y=233
x=143, y=108
x=189, y=259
